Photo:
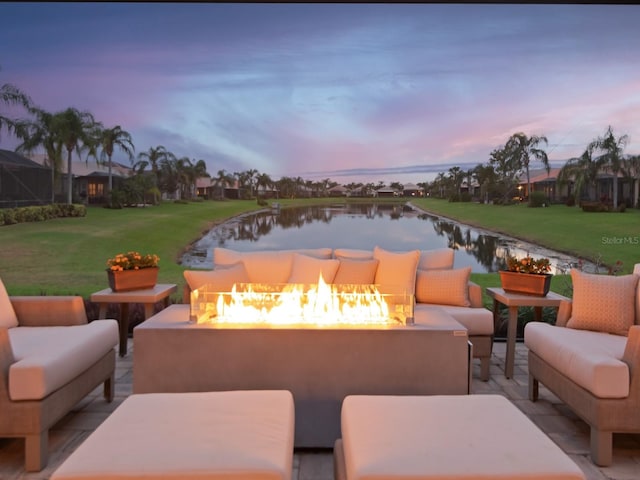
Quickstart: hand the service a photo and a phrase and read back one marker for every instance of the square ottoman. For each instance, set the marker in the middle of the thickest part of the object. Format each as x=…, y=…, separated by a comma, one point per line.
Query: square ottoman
x=444, y=437
x=204, y=435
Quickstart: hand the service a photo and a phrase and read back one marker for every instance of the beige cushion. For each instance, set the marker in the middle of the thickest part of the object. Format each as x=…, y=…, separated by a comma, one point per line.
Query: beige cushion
x=477, y=321
x=265, y=266
x=222, y=279
x=49, y=357
x=396, y=270
x=593, y=360
x=352, y=253
x=308, y=269
x=436, y=259
x=603, y=303
x=8, y=317
x=239, y=435
x=356, y=272
x=443, y=287
x=447, y=437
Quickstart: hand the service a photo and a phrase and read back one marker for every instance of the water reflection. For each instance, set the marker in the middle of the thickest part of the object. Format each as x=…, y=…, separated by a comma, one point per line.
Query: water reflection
x=391, y=226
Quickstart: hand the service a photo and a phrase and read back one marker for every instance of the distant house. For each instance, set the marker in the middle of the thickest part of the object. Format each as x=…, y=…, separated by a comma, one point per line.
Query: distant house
x=338, y=191
x=386, y=192
x=22, y=181
x=412, y=190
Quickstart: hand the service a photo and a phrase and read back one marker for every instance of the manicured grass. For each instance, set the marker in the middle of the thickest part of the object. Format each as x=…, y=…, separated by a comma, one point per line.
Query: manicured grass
x=68, y=256
x=607, y=237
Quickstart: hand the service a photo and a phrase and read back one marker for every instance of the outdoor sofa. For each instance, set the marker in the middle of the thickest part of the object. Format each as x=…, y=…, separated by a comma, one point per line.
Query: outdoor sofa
x=427, y=273
x=50, y=358
x=590, y=358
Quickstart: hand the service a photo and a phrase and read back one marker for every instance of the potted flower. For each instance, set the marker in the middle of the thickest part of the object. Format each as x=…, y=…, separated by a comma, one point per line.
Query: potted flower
x=132, y=271
x=527, y=276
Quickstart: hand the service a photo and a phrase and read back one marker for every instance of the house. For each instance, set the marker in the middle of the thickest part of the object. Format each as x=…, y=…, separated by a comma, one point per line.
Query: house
x=412, y=190
x=22, y=181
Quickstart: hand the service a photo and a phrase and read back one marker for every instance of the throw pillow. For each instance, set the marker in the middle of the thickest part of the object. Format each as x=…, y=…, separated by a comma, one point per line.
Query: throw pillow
x=8, y=317
x=436, y=259
x=356, y=272
x=222, y=278
x=604, y=303
x=308, y=269
x=396, y=270
x=444, y=287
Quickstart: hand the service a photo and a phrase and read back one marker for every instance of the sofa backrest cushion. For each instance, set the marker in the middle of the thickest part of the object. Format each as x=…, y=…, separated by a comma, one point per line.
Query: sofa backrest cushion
x=396, y=270
x=356, y=272
x=353, y=254
x=305, y=269
x=436, y=259
x=636, y=271
x=265, y=266
x=223, y=278
x=603, y=303
x=8, y=318
x=444, y=287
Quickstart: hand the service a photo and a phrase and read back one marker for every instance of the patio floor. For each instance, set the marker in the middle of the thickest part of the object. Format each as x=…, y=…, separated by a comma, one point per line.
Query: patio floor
x=552, y=416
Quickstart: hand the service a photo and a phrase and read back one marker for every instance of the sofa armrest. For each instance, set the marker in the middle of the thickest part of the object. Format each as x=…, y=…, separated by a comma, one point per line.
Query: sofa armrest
x=475, y=295
x=564, y=313
x=6, y=359
x=43, y=311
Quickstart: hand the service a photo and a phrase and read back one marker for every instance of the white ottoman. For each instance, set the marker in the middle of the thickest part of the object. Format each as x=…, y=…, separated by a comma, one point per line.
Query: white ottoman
x=204, y=435
x=438, y=437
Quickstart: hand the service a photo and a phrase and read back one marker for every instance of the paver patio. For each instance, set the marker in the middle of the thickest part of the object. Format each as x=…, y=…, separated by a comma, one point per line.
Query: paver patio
x=552, y=416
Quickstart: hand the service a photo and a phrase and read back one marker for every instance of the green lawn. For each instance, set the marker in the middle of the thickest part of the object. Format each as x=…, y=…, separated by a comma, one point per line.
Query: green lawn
x=608, y=237
x=68, y=256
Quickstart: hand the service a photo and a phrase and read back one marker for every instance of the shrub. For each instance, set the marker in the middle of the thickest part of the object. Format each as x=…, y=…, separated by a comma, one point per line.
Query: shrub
x=465, y=197
x=538, y=199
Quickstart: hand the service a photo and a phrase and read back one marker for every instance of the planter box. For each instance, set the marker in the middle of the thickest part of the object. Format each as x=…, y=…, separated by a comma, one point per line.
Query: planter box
x=526, y=283
x=126, y=280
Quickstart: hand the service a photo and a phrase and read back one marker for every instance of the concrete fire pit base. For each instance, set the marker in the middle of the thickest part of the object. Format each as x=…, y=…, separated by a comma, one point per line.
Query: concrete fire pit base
x=319, y=366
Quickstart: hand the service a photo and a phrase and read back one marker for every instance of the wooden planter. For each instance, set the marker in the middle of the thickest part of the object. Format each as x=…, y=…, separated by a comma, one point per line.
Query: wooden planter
x=526, y=283
x=125, y=280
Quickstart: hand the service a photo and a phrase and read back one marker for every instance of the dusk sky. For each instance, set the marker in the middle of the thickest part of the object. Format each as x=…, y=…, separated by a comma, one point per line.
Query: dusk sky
x=359, y=92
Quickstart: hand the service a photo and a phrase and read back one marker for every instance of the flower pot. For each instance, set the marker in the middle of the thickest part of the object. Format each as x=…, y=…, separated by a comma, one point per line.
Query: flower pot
x=526, y=283
x=126, y=280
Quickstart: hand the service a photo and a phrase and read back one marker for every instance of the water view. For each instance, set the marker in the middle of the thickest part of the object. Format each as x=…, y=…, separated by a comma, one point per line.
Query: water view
x=395, y=227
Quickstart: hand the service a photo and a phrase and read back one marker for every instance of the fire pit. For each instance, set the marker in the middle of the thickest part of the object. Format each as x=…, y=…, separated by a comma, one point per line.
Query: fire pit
x=321, y=350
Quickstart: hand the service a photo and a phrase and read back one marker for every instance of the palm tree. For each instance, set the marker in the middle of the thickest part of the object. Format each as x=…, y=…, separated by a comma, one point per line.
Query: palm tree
x=73, y=128
x=40, y=131
x=154, y=158
x=11, y=95
x=525, y=149
x=110, y=138
x=223, y=180
x=631, y=169
x=263, y=180
x=612, y=148
x=583, y=171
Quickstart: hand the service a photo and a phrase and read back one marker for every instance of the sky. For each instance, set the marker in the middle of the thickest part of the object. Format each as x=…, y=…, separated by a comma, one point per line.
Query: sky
x=350, y=92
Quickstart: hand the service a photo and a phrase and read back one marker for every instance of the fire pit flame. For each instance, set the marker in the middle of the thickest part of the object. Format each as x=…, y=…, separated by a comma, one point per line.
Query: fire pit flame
x=317, y=305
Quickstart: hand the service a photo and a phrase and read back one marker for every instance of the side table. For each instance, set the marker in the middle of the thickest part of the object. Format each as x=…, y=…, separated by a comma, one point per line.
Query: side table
x=148, y=297
x=513, y=301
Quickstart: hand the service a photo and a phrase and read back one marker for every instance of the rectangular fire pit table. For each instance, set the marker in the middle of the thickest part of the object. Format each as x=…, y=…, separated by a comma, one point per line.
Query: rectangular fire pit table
x=438, y=437
x=320, y=366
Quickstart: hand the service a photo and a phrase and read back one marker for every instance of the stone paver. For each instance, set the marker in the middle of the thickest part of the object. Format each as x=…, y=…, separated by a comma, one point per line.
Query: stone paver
x=549, y=414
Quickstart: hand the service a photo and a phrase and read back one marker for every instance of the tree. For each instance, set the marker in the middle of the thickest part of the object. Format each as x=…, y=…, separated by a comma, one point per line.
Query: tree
x=223, y=180
x=41, y=131
x=154, y=158
x=631, y=169
x=526, y=149
x=612, y=149
x=109, y=138
x=583, y=171
x=456, y=175
x=263, y=180
x=507, y=167
x=11, y=95
x=73, y=128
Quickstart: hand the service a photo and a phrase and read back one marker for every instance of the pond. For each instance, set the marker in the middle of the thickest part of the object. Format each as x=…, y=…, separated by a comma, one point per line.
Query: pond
x=396, y=227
